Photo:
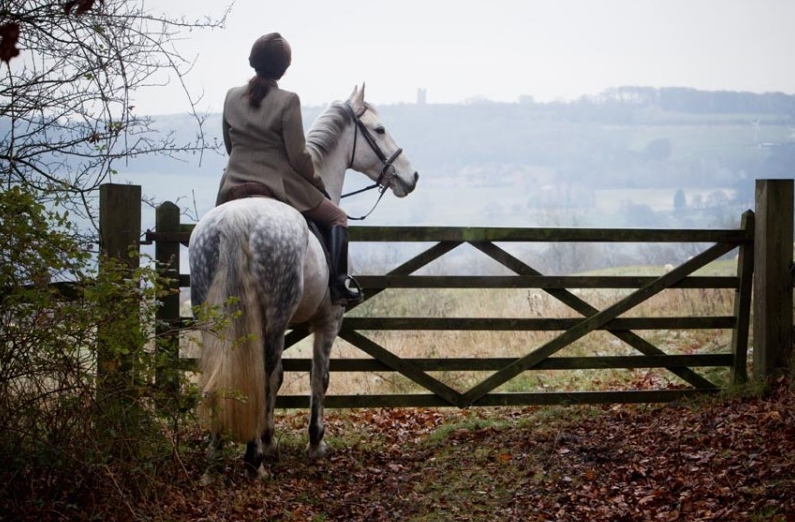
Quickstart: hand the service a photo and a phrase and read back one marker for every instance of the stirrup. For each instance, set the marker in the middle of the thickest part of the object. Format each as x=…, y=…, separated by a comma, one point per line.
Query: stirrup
x=341, y=294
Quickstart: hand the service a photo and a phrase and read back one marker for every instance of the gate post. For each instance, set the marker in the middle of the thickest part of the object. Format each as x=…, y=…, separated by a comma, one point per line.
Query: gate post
x=119, y=240
x=743, y=303
x=773, y=277
x=168, y=313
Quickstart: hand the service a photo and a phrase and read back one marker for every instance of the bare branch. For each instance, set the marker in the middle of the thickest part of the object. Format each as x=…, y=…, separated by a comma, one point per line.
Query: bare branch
x=67, y=101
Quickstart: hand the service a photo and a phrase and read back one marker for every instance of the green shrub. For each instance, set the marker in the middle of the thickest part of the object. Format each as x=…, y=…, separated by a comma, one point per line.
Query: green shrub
x=77, y=368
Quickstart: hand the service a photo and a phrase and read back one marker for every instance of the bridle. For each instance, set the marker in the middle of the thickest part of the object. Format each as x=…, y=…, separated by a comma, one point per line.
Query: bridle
x=387, y=168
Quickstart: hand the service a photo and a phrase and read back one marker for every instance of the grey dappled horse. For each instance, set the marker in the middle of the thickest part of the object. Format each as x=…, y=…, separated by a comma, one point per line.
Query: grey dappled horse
x=256, y=262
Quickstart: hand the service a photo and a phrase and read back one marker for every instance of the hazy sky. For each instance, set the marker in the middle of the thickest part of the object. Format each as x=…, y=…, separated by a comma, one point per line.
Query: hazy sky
x=496, y=49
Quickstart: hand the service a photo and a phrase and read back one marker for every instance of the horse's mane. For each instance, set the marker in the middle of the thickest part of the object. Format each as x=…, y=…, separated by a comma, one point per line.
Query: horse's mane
x=327, y=129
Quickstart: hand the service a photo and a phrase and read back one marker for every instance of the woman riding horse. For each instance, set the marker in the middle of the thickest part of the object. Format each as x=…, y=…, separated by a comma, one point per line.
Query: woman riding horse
x=264, y=137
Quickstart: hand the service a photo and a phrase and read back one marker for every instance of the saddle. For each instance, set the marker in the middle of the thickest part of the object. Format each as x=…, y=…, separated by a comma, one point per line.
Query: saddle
x=245, y=190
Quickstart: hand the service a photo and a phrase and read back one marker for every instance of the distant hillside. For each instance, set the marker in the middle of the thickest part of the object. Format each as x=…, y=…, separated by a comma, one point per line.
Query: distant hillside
x=607, y=159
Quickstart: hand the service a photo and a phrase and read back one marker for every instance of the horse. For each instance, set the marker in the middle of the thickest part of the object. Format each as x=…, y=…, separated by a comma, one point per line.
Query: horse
x=255, y=262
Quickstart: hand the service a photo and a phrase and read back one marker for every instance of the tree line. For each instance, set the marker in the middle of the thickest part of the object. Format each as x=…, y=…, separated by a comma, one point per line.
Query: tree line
x=694, y=101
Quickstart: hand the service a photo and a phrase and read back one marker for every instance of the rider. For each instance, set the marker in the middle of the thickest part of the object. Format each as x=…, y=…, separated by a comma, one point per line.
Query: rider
x=264, y=137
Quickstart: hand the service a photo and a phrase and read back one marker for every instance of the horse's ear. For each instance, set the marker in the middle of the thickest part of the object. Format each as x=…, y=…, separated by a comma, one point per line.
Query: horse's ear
x=357, y=99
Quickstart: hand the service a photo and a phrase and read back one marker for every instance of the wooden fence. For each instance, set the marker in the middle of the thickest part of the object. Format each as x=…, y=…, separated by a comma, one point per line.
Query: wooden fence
x=766, y=245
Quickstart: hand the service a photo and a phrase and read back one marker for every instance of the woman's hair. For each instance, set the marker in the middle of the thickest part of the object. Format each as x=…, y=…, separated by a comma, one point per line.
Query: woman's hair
x=258, y=87
x=270, y=57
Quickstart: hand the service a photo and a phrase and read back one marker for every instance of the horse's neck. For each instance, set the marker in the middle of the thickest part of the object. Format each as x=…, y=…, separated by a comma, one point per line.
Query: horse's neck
x=332, y=166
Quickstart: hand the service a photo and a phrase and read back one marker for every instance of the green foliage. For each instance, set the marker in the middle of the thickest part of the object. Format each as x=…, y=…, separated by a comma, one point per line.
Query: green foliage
x=77, y=364
x=37, y=245
x=81, y=402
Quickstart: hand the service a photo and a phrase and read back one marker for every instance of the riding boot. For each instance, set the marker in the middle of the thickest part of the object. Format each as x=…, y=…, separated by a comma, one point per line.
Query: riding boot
x=341, y=293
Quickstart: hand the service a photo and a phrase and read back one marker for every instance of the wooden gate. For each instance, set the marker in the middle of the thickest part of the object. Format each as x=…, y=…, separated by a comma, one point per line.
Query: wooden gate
x=487, y=241
x=765, y=244
x=355, y=330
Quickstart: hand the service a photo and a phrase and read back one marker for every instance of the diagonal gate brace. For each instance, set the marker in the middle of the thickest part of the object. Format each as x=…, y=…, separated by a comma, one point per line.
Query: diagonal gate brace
x=594, y=322
x=577, y=304
x=402, y=366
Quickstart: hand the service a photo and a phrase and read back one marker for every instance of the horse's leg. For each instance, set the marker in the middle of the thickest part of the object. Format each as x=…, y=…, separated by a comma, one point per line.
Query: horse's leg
x=325, y=332
x=274, y=375
x=253, y=459
x=266, y=446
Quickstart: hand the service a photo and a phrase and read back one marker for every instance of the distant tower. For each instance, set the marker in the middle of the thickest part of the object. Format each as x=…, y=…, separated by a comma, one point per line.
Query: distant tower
x=421, y=96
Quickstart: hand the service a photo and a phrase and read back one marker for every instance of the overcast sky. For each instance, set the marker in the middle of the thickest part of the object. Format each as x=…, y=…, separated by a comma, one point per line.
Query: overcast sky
x=495, y=49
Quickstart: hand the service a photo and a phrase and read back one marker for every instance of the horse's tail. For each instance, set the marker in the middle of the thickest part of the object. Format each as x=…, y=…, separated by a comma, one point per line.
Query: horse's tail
x=232, y=378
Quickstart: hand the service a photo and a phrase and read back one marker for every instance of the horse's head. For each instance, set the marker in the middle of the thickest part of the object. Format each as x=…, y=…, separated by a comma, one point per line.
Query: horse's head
x=375, y=152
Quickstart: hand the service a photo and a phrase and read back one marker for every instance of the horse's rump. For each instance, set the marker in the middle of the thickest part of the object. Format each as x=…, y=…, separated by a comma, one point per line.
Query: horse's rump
x=247, y=258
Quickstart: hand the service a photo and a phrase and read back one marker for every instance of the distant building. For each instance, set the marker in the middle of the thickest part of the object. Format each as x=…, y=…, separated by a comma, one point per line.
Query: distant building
x=422, y=96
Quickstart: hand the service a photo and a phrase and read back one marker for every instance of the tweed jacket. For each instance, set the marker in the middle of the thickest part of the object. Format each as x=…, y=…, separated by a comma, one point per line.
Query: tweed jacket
x=266, y=145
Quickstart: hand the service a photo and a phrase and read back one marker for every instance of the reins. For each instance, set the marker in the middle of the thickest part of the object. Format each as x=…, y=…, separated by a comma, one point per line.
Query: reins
x=387, y=170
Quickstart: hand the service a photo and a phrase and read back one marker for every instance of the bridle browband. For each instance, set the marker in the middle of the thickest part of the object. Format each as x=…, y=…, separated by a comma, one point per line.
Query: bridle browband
x=387, y=169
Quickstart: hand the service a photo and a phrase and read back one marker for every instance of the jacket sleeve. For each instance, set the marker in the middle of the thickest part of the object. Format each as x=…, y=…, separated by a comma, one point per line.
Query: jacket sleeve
x=295, y=142
x=227, y=140
x=225, y=128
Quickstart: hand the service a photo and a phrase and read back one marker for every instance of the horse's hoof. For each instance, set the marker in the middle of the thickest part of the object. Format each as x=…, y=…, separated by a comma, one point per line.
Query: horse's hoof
x=258, y=474
x=318, y=451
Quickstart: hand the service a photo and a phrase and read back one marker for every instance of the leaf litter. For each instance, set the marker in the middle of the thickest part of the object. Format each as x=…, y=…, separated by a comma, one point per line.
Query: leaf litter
x=716, y=458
